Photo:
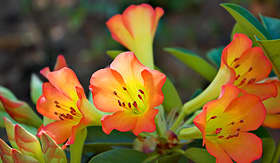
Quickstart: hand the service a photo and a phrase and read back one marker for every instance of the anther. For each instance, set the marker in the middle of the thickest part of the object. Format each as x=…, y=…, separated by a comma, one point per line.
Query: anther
x=60, y=117
x=218, y=130
x=220, y=137
x=57, y=106
x=213, y=117
x=232, y=123
x=56, y=102
x=115, y=93
x=55, y=113
x=141, y=91
x=250, y=69
x=237, y=66
x=129, y=105
x=236, y=59
x=120, y=104
x=73, y=111
x=124, y=88
x=238, y=129
x=139, y=96
x=241, y=121
x=242, y=82
x=237, y=77
x=251, y=80
x=123, y=104
x=135, y=104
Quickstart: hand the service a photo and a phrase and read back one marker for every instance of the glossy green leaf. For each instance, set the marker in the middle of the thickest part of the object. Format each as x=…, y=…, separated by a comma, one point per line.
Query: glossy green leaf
x=199, y=155
x=214, y=55
x=272, y=25
x=271, y=49
x=119, y=156
x=195, y=62
x=246, y=21
x=36, y=88
x=171, y=97
x=98, y=141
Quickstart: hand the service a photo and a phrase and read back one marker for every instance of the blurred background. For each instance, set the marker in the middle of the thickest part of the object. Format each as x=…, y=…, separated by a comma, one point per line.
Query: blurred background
x=34, y=32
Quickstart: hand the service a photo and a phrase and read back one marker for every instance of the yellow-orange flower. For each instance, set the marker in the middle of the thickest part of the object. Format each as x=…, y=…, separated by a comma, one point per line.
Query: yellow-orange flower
x=135, y=29
x=64, y=101
x=225, y=123
x=130, y=91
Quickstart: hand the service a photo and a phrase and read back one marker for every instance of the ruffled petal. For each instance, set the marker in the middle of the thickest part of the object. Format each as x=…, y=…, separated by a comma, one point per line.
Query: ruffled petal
x=121, y=120
x=119, y=31
x=245, y=148
x=66, y=81
x=215, y=150
x=236, y=48
x=129, y=67
x=59, y=131
x=262, y=90
x=146, y=123
x=103, y=85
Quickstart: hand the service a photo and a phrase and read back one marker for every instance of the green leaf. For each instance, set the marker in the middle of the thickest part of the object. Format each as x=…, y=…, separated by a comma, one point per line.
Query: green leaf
x=271, y=49
x=36, y=88
x=98, y=141
x=269, y=145
x=171, y=97
x=199, y=155
x=195, y=62
x=272, y=25
x=246, y=21
x=214, y=55
x=119, y=156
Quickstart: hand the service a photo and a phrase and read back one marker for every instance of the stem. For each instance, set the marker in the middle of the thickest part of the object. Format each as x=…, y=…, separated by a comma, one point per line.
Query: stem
x=76, y=149
x=160, y=122
x=190, y=133
x=210, y=93
x=276, y=154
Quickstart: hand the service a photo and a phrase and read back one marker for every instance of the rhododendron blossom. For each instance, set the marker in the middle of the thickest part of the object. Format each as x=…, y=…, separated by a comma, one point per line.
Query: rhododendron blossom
x=225, y=123
x=129, y=91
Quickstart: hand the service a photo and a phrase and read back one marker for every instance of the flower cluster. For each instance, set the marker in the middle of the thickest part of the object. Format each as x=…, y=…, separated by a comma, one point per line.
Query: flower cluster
x=127, y=96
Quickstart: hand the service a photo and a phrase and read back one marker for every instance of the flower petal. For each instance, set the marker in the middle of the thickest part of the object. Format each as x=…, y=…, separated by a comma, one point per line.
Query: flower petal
x=66, y=81
x=247, y=109
x=263, y=90
x=272, y=104
x=129, y=67
x=18, y=157
x=215, y=150
x=236, y=48
x=60, y=62
x=121, y=120
x=59, y=131
x=247, y=147
x=103, y=83
x=146, y=122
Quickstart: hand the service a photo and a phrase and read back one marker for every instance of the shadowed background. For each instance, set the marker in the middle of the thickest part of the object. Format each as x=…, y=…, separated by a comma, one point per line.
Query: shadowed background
x=34, y=32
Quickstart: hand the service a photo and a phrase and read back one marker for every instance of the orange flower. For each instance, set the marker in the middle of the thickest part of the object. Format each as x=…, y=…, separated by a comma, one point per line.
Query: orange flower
x=135, y=29
x=64, y=101
x=272, y=106
x=130, y=91
x=225, y=123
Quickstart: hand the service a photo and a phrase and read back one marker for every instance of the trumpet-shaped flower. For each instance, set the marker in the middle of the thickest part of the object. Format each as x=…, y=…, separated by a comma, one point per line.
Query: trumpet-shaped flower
x=225, y=122
x=130, y=91
x=272, y=106
x=64, y=101
x=135, y=29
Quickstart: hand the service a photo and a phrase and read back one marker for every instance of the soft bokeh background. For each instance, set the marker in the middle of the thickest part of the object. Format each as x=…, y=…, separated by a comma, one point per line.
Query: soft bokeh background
x=34, y=32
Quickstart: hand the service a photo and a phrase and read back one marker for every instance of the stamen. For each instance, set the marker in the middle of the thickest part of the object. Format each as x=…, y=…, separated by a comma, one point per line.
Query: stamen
x=218, y=130
x=55, y=113
x=123, y=104
x=124, y=88
x=135, y=104
x=237, y=66
x=250, y=69
x=57, y=106
x=141, y=91
x=220, y=137
x=120, y=104
x=237, y=77
x=232, y=123
x=73, y=111
x=242, y=82
x=213, y=117
x=115, y=93
x=241, y=121
x=139, y=96
x=56, y=102
x=236, y=59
